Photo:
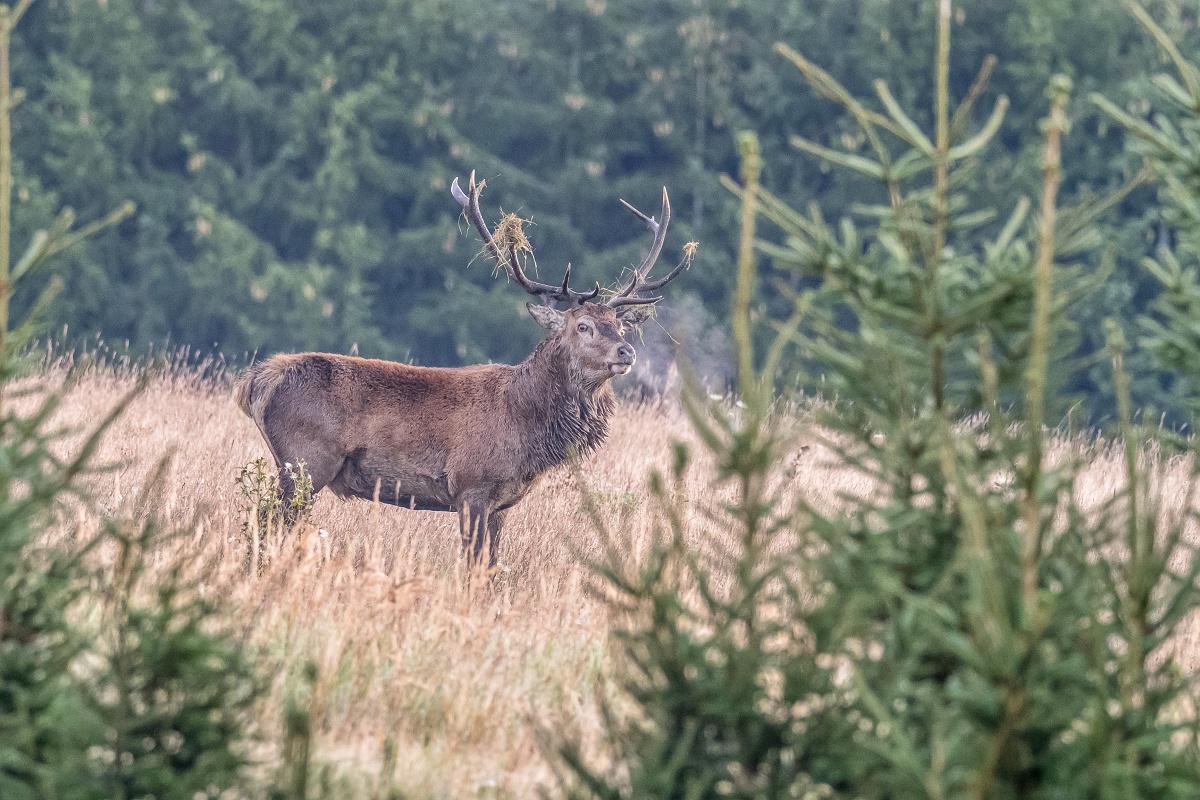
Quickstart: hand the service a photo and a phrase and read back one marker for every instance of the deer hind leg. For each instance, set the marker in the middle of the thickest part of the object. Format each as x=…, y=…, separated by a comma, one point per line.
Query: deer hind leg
x=320, y=470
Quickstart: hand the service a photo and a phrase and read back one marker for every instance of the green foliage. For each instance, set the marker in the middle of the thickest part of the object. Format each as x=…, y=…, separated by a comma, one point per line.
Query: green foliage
x=969, y=624
x=265, y=513
x=292, y=161
x=173, y=696
x=263, y=504
x=44, y=718
x=1170, y=141
x=149, y=699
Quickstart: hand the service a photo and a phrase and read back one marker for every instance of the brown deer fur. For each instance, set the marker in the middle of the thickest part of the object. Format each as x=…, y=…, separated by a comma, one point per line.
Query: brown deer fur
x=469, y=439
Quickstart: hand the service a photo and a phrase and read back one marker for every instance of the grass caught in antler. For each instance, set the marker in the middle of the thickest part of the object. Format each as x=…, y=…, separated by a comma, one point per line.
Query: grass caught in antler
x=510, y=237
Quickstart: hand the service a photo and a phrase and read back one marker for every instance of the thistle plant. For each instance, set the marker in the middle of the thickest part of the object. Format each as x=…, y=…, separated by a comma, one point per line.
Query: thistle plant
x=263, y=507
x=262, y=504
x=968, y=626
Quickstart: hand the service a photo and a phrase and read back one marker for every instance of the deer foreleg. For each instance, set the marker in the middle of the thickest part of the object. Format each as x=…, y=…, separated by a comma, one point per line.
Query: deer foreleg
x=495, y=522
x=473, y=529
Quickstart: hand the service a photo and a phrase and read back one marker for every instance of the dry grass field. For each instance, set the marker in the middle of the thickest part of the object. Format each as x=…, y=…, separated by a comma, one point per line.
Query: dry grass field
x=461, y=679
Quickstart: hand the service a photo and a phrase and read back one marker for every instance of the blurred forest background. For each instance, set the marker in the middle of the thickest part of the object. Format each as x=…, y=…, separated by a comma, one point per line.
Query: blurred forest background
x=291, y=161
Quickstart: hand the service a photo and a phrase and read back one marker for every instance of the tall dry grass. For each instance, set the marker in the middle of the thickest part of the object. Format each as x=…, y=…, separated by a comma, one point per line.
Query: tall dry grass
x=462, y=679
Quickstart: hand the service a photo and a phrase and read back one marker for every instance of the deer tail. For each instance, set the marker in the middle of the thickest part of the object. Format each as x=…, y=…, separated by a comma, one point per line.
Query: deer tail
x=243, y=391
x=257, y=385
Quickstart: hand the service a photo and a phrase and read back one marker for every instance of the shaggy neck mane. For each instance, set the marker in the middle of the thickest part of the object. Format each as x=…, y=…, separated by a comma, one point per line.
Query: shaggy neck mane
x=566, y=415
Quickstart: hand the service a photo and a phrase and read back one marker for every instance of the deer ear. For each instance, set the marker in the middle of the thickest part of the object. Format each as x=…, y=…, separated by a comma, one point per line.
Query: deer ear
x=548, y=317
x=634, y=316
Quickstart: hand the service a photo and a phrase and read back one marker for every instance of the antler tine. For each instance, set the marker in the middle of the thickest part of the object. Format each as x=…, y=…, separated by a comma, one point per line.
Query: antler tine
x=684, y=263
x=628, y=295
x=582, y=297
x=617, y=302
x=469, y=202
x=650, y=222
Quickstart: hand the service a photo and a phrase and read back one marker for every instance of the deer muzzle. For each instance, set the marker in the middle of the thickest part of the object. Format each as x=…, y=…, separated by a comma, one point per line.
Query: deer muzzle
x=626, y=356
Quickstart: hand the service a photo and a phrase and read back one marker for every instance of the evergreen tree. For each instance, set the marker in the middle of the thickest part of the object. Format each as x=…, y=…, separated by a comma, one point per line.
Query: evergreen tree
x=1170, y=142
x=155, y=707
x=966, y=626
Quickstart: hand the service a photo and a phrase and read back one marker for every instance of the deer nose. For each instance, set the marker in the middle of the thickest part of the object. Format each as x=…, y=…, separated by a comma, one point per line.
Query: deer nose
x=626, y=353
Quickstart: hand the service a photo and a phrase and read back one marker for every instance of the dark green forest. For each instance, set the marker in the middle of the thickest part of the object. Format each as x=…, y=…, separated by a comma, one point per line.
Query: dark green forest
x=291, y=162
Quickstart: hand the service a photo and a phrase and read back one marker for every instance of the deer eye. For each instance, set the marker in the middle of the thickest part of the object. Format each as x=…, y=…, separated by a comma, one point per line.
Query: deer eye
x=582, y=327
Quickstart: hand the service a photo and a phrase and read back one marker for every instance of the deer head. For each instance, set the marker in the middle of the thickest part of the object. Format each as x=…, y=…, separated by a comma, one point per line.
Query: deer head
x=590, y=327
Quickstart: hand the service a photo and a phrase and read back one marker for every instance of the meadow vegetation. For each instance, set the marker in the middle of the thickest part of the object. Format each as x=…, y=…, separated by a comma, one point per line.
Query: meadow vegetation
x=450, y=691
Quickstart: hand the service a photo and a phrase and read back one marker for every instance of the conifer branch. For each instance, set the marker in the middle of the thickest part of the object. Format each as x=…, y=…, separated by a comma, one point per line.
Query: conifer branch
x=1035, y=376
x=751, y=166
x=962, y=114
x=941, y=203
x=19, y=12
x=6, y=26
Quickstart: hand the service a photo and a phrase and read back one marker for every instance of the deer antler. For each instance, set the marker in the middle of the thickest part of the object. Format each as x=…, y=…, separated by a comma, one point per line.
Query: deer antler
x=639, y=290
x=632, y=293
x=469, y=201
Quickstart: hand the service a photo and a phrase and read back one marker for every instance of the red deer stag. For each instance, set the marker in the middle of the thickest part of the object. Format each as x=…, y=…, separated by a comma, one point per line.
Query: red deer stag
x=468, y=439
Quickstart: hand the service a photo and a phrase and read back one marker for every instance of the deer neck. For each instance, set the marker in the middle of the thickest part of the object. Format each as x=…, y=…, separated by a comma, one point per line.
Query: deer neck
x=560, y=414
